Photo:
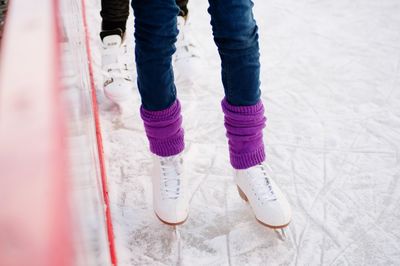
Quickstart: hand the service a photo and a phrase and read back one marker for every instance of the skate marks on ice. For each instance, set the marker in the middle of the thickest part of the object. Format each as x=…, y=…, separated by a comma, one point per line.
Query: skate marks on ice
x=215, y=222
x=339, y=135
x=330, y=83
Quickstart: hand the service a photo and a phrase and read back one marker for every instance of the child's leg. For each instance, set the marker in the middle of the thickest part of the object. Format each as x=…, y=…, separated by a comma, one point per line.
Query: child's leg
x=117, y=80
x=155, y=35
x=235, y=33
x=114, y=14
x=182, y=4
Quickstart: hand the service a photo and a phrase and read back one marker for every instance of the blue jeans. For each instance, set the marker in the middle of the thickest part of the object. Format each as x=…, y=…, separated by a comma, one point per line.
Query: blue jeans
x=235, y=34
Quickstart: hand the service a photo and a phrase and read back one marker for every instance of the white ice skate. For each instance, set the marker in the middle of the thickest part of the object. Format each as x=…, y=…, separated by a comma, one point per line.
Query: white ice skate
x=170, y=199
x=267, y=201
x=187, y=59
x=118, y=80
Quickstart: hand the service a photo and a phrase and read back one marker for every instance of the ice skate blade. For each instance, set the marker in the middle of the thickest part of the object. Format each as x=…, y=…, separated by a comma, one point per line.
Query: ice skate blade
x=279, y=230
x=242, y=195
x=275, y=227
x=281, y=234
x=171, y=224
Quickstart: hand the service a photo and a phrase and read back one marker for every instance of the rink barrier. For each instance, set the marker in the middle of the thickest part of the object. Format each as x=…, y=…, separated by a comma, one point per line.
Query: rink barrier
x=35, y=224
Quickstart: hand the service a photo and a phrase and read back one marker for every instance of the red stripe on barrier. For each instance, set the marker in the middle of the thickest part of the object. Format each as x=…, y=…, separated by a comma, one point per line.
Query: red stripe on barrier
x=99, y=138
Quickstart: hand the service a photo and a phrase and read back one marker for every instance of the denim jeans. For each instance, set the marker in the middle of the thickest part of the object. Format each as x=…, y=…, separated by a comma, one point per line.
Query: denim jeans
x=235, y=34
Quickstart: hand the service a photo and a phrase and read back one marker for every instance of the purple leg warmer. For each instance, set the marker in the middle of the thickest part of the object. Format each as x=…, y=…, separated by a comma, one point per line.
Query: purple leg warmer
x=164, y=130
x=244, y=125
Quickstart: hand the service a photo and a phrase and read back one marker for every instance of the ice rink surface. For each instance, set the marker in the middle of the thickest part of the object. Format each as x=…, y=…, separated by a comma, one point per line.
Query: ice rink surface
x=331, y=87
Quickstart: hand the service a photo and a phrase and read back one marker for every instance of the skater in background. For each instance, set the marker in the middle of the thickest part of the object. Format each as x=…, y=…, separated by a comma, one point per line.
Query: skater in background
x=119, y=80
x=3, y=11
x=236, y=36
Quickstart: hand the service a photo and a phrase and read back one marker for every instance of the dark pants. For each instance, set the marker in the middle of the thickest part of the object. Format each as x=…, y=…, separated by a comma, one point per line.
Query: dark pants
x=115, y=13
x=235, y=34
x=3, y=10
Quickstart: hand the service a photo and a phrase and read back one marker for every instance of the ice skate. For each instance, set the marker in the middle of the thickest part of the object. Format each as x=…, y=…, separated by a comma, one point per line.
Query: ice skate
x=267, y=201
x=118, y=80
x=170, y=199
x=186, y=60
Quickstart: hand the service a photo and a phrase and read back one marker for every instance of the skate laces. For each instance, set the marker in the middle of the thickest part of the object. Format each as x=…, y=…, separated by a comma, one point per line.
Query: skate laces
x=262, y=183
x=119, y=67
x=171, y=169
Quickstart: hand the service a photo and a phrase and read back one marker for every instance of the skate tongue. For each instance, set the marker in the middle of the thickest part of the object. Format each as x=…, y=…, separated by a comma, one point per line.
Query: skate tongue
x=112, y=40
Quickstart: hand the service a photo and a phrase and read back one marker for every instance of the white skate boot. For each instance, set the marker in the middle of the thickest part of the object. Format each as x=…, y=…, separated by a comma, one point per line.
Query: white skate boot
x=118, y=80
x=170, y=199
x=187, y=59
x=267, y=201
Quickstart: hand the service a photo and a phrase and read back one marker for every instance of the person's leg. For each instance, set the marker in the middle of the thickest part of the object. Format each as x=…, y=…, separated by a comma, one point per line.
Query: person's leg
x=187, y=58
x=182, y=4
x=236, y=35
x=118, y=78
x=114, y=14
x=155, y=36
x=3, y=10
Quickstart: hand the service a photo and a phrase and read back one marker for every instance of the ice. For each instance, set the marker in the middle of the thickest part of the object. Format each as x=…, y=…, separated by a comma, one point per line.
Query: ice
x=331, y=86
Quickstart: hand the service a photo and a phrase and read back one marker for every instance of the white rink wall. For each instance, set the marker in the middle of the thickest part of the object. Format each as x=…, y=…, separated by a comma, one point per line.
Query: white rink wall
x=91, y=245
x=331, y=87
